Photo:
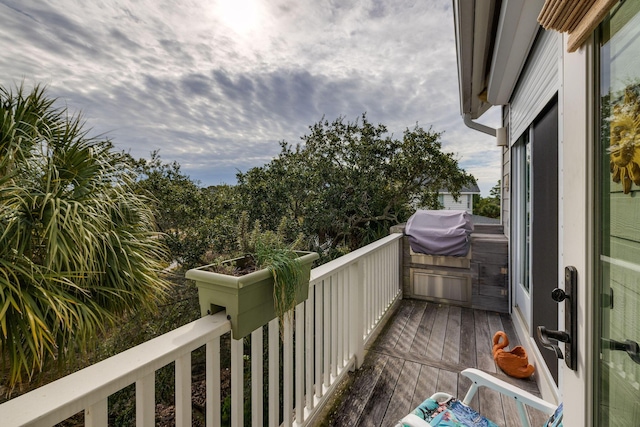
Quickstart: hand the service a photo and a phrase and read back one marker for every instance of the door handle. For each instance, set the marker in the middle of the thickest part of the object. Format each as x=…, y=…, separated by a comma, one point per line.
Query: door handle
x=569, y=296
x=545, y=335
x=631, y=347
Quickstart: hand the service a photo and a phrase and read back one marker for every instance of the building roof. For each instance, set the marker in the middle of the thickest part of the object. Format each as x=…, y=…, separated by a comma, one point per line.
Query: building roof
x=473, y=189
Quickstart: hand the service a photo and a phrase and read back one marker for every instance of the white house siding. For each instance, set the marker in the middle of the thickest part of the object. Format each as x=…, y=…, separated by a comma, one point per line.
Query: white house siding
x=538, y=83
x=465, y=202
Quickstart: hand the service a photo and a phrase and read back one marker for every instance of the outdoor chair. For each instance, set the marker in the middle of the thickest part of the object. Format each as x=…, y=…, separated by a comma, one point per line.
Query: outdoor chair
x=443, y=410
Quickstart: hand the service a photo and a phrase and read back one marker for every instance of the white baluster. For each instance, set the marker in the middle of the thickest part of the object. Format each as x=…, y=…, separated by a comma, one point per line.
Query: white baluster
x=146, y=401
x=237, y=383
x=256, y=378
x=213, y=406
x=287, y=380
x=319, y=350
x=96, y=415
x=300, y=368
x=183, y=390
x=274, y=373
x=309, y=347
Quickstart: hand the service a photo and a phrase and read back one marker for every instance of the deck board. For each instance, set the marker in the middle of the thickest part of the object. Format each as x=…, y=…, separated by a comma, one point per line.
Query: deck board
x=421, y=339
x=383, y=390
x=360, y=391
x=422, y=350
x=389, y=338
x=451, y=348
x=400, y=403
x=411, y=327
x=426, y=385
x=438, y=333
x=484, y=342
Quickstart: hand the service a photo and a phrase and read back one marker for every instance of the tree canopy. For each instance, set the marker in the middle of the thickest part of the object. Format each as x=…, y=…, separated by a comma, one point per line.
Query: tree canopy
x=488, y=206
x=348, y=182
x=193, y=220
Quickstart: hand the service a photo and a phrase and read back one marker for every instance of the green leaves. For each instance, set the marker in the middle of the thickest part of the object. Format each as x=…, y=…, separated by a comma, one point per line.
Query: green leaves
x=77, y=247
x=193, y=220
x=347, y=183
x=488, y=206
x=270, y=251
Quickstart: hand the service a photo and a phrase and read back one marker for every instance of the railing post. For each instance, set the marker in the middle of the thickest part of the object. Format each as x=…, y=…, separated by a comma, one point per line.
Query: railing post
x=357, y=312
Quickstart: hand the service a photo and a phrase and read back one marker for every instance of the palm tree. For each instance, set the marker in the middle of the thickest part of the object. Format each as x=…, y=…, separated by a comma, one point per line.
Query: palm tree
x=78, y=247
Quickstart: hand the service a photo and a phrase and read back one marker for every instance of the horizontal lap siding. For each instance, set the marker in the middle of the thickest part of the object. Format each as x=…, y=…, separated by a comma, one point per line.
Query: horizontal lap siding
x=538, y=83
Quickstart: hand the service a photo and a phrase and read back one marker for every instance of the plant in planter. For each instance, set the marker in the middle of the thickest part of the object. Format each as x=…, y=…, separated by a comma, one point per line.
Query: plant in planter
x=267, y=282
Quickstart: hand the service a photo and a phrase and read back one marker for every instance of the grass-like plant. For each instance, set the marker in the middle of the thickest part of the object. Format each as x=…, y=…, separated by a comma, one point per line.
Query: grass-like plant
x=78, y=247
x=286, y=271
x=270, y=251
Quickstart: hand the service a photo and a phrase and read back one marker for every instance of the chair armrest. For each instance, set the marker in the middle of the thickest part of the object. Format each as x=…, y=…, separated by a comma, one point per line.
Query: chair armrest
x=482, y=379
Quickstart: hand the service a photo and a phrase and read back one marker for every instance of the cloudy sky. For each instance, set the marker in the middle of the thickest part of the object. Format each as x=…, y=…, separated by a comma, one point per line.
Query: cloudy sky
x=215, y=84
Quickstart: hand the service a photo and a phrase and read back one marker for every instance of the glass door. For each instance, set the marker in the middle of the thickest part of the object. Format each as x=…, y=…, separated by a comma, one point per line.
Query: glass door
x=618, y=293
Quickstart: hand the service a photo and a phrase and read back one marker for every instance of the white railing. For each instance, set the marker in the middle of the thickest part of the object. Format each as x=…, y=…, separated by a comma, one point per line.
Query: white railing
x=348, y=300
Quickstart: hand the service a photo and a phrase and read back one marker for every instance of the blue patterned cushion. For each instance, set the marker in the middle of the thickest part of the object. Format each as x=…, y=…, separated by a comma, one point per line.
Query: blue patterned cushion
x=555, y=420
x=451, y=414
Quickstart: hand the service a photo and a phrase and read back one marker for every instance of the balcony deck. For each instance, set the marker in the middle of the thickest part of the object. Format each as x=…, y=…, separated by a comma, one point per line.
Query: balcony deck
x=423, y=349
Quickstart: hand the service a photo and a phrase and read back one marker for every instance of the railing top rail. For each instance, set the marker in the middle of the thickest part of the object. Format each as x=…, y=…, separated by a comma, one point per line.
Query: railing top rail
x=67, y=396
x=324, y=270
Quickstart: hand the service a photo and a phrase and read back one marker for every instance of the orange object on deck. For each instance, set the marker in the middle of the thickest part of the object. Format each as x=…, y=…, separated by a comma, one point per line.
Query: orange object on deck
x=515, y=362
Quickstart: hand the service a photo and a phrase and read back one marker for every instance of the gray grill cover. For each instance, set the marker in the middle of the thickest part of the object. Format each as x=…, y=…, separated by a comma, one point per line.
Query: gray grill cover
x=444, y=232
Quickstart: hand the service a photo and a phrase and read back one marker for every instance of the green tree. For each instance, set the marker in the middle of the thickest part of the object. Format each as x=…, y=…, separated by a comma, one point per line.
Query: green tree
x=347, y=183
x=488, y=206
x=193, y=220
x=78, y=248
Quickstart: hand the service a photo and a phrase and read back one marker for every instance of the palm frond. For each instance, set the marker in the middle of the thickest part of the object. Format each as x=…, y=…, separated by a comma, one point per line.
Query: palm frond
x=77, y=246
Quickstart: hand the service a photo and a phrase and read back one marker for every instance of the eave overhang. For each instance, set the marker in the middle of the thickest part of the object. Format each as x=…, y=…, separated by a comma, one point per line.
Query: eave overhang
x=493, y=39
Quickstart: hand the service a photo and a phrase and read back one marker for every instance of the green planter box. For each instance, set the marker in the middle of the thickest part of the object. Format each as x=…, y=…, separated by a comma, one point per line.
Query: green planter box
x=248, y=299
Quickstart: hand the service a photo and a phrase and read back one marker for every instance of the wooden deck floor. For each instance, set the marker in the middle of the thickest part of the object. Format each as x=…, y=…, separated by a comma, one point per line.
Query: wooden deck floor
x=422, y=350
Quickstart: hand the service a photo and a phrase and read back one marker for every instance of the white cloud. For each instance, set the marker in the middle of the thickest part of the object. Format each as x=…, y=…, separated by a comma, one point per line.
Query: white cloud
x=216, y=89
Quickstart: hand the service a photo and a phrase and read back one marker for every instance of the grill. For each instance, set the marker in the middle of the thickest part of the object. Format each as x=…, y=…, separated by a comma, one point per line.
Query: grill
x=442, y=232
x=448, y=259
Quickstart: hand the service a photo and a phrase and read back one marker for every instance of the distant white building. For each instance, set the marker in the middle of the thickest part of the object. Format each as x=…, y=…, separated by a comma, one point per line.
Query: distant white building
x=465, y=201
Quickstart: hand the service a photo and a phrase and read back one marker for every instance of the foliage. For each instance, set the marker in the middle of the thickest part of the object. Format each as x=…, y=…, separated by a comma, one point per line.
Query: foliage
x=271, y=250
x=349, y=182
x=488, y=206
x=78, y=248
x=193, y=220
